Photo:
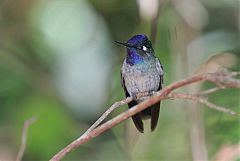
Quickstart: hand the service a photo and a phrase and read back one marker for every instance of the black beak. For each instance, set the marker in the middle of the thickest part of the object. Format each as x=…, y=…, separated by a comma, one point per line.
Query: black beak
x=124, y=44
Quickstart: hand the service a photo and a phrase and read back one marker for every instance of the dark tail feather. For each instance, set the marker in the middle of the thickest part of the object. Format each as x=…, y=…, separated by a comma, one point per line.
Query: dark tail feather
x=137, y=120
x=155, y=110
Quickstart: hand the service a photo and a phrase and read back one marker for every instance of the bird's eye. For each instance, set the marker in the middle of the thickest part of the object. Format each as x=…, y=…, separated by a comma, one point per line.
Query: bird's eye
x=144, y=48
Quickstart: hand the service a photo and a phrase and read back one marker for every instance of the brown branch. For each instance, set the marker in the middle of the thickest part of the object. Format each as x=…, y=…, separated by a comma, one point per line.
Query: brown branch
x=217, y=78
x=22, y=148
x=112, y=108
x=202, y=101
x=106, y=113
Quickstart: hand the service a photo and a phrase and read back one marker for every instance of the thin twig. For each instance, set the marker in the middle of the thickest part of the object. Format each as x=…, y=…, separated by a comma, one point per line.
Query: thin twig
x=217, y=78
x=223, y=79
x=209, y=91
x=106, y=113
x=22, y=148
x=112, y=108
x=202, y=101
x=233, y=74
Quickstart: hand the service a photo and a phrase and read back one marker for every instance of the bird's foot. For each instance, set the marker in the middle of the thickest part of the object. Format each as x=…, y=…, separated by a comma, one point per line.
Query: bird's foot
x=135, y=97
x=151, y=93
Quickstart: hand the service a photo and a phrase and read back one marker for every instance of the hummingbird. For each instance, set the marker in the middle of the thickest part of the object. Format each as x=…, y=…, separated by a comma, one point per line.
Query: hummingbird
x=141, y=72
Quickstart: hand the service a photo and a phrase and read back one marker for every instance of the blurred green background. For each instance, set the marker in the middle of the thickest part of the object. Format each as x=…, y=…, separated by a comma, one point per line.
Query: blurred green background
x=59, y=63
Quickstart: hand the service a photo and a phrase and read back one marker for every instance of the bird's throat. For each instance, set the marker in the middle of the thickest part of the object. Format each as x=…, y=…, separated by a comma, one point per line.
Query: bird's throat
x=133, y=57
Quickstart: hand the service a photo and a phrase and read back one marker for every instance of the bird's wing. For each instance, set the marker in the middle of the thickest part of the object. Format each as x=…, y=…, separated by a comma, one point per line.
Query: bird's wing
x=137, y=117
x=155, y=109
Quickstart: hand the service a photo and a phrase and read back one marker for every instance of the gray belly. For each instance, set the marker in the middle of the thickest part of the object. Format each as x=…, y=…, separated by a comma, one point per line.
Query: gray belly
x=142, y=83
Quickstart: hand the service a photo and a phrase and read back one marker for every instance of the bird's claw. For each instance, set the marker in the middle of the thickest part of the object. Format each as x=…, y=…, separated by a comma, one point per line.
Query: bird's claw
x=134, y=97
x=151, y=93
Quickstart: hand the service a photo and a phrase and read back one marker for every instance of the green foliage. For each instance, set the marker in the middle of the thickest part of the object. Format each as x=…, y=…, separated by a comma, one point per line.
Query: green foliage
x=41, y=40
x=52, y=126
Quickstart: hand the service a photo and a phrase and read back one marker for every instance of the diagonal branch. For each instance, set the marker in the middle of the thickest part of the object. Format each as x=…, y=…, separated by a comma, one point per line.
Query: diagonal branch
x=112, y=108
x=222, y=78
x=106, y=113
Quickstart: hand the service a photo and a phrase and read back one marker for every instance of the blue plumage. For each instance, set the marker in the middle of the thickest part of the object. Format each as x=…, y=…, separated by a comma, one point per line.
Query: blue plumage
x=133, y=57
x=136, y=39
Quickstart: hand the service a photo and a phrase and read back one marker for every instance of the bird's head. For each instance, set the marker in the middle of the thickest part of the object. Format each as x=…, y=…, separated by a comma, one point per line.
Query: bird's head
x=139, y=49
x=140, y=44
